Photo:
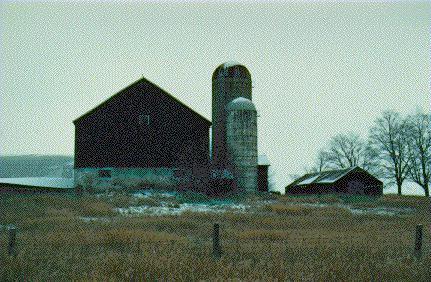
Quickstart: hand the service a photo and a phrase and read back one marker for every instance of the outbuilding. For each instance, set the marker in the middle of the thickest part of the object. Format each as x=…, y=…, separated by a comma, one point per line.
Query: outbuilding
x=262, y=173
x=353, y=180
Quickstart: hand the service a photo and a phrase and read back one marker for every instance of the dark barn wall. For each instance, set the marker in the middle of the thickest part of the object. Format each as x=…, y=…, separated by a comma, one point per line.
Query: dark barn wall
x=262, y=178
x=114, y=135
x=358, y=182
x=311, y=189
x=355, y=182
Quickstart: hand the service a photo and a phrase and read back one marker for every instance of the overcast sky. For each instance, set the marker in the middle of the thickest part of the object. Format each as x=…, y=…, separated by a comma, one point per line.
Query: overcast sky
x=318, y=69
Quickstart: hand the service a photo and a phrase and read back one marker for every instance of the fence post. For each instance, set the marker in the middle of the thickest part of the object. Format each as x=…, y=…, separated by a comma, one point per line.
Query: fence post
x=418, y=241
x=216, y=241
x=12, y=241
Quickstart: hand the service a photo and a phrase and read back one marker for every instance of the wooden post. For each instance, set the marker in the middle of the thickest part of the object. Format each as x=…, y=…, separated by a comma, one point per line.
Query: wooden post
x=418, y=241
x=12, y=241
x=216, y=241
x=78, y=190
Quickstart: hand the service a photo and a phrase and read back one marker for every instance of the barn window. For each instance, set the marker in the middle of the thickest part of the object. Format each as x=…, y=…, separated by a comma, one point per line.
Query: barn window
x=105, y=173
x=144, y=119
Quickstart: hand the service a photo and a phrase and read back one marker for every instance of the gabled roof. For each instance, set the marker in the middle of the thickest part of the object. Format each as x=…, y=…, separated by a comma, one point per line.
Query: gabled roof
x=142, y=80
x=324, y=177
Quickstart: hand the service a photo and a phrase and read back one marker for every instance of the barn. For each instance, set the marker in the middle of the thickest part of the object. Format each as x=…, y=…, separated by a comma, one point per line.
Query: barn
x=353, y=180
x=141, y=135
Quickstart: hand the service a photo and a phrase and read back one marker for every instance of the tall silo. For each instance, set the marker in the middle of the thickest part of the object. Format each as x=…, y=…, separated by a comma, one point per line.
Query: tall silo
x=229, y=81
x=241, y=136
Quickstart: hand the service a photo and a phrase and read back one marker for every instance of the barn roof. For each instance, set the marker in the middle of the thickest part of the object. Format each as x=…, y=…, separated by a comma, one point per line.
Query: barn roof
x=324, y=177
x=47, y=182
x=142, y=80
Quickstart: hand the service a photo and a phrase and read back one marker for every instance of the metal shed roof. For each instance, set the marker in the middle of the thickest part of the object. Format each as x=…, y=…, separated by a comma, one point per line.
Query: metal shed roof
x=323, y=177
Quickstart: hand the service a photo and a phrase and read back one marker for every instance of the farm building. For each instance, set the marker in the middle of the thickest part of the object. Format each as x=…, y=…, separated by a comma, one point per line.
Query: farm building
x=262, y=173
x=143, y=134
x=354, y=180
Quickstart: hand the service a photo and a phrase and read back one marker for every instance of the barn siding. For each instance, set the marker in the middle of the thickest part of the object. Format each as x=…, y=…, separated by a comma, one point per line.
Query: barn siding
x=111, y=136
x=359, y=183
x=125, y=177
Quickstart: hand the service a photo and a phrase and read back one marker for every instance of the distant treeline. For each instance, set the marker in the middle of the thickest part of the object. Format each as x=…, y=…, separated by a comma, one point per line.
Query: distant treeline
x=36, y=166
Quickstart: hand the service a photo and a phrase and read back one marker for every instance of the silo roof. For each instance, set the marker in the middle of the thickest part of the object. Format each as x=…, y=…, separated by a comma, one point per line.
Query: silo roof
x=263, y=160
x=241, y=104
x=230, y=64
x=231, y=69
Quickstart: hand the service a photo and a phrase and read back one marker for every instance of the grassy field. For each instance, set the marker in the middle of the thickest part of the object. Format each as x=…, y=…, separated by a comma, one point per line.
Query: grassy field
x=278, y=238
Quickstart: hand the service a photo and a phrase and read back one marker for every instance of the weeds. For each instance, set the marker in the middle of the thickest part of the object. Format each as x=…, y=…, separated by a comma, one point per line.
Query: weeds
x=281, y=209
x=279, y=241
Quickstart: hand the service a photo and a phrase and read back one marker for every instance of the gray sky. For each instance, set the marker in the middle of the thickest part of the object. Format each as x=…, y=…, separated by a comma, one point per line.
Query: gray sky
x=318, y=69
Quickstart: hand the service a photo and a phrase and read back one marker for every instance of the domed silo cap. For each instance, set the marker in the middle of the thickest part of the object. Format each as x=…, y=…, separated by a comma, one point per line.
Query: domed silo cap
x=231, y=69
x=241, y=104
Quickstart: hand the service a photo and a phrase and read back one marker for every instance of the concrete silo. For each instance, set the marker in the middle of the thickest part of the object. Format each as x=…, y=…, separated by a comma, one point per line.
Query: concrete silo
x=229, y=81
x=241, y=137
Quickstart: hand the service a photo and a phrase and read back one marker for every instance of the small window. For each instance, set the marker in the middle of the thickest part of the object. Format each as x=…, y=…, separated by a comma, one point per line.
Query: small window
x=144, y=119
x=104, y=173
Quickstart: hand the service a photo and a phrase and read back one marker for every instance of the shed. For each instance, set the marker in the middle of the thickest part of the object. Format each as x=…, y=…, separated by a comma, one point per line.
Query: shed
x=353, y=180
x=262, y=173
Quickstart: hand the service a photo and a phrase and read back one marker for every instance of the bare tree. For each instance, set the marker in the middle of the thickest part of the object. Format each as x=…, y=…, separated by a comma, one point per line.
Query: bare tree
x=192, y=168
x=419, y=137
x=344, y=150
x=321, y=162
x=388, y=141
x=372, y=161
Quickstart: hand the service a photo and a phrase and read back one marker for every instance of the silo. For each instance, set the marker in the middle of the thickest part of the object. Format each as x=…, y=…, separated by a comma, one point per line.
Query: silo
x=241, y=137
x=229, y=81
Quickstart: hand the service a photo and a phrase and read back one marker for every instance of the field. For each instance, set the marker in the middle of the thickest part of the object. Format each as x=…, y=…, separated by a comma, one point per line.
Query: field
x=264, y=237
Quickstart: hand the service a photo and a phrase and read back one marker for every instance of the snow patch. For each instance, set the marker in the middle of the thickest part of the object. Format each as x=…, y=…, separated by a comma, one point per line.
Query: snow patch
x=168, y=209
x=354, y=210
x=92, y=219
x=152, y=193
x=6, y=226
x=165, y=209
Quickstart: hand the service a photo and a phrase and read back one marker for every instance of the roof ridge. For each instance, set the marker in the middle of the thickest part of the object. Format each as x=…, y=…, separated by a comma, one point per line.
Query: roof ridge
x=326, y=177
x=142, y=79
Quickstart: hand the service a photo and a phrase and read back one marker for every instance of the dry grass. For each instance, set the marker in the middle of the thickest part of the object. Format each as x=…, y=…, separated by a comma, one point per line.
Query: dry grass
x=279, y=243
x=298, y=210
x=404, y=201
x=331, y=212
x=282, y=209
